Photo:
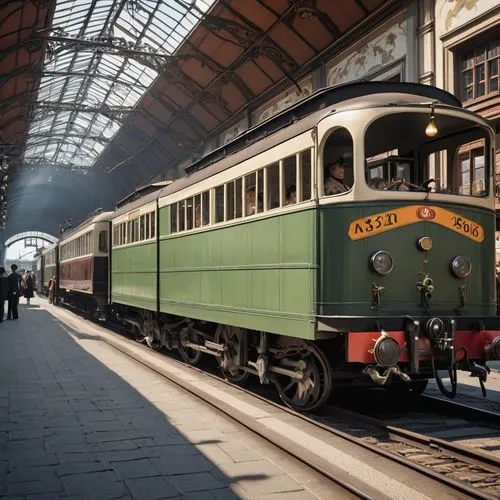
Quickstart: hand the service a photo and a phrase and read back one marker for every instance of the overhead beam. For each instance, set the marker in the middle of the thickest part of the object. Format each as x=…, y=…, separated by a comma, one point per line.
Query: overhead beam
x=146, y=55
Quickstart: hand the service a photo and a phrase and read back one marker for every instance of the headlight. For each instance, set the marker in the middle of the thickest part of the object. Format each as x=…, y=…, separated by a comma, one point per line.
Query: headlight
x=495, y=348
x=461, y=267
x=424, y=243
x=386, y=351
x=382, y=262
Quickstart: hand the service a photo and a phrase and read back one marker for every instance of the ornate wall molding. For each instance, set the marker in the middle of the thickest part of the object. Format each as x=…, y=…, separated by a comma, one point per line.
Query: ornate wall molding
x=370, y=56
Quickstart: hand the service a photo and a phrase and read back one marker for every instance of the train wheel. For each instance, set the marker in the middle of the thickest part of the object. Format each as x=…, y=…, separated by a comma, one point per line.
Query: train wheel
x=313, y=389
x=189, y=355
x=229, y=364
x=137, y=334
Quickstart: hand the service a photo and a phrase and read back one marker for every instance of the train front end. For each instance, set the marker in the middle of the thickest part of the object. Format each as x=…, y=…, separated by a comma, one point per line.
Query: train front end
x=407, y=275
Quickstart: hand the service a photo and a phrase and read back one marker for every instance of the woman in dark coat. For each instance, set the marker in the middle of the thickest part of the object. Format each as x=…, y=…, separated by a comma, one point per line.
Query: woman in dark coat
x=28, y=287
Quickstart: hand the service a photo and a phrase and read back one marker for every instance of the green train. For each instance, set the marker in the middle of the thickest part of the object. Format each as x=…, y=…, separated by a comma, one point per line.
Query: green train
x=347, y=241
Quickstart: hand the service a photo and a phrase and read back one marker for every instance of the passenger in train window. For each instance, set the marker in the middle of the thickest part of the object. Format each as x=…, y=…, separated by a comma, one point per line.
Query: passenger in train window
x=250, y=201
x=197, y=210
x=197, y=216
x=334, y=183
x=291, y=195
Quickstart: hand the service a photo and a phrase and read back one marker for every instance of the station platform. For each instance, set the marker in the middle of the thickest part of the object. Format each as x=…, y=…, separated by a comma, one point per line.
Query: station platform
x=80, y=420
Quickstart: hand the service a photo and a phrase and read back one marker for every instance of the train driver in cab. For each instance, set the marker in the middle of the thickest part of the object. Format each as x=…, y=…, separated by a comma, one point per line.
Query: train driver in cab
x=334, y=183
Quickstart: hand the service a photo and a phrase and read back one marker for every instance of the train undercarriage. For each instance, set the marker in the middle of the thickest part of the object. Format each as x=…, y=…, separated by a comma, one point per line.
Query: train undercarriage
x=303, y=372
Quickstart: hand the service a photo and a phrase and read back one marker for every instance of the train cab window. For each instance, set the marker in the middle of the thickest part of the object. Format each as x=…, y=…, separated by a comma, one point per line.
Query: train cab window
x=338, y=162
x=219, y=204
x=305, y=175
x=386, y=170
x=273, y=186
x=290, y=178
x=103, y=241
x=205, y=207
x=454, y=160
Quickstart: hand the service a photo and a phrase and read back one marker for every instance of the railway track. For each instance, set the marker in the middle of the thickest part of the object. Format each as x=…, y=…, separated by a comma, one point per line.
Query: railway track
x=470, y=472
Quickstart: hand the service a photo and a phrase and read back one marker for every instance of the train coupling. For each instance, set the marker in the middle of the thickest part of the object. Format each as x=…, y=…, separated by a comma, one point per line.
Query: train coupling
x=382, y=379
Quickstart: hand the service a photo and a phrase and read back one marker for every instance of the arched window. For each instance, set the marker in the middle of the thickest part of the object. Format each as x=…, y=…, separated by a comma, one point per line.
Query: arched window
x=338, y=162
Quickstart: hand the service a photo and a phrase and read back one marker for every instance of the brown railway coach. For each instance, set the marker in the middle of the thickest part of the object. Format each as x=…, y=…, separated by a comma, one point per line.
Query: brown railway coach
x=83, y=265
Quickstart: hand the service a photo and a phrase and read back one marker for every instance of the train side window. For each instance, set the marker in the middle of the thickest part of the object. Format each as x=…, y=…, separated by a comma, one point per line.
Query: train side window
x=189, y=213
x=205, y=207
x=250, y=194
x=260, y=190
x=273, y=186
x=230, y=214
x=153, y=224
x=305, y=175
x=238, y=198
x=182, y=215
x=141, y=228
x=146, y=226
x=197, y=210
x=219, y=204
x=103, y=241
x=290, y=179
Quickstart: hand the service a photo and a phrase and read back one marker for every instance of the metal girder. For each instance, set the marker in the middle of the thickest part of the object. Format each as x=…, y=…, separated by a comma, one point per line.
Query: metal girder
x=113, y=112
x=142, y=53
x=51, y=135
x=111, y=78
x=36, y=163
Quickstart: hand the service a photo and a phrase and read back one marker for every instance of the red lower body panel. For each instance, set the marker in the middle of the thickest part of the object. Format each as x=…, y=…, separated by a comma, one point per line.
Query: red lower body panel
x=476, y=343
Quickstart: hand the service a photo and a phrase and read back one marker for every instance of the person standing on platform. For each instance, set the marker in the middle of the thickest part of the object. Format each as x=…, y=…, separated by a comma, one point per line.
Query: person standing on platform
x=52, y=289
x=4, y=291
x=28, y=287
x=13, y=294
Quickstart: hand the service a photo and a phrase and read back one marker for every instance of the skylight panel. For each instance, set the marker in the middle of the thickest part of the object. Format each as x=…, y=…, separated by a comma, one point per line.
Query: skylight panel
x=90, y=83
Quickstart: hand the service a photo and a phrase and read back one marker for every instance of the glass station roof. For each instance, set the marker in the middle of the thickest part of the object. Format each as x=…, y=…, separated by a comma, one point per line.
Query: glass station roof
x=101, y=58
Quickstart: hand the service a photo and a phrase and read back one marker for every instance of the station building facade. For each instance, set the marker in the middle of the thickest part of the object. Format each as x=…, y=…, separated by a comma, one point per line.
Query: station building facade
x=452, y=44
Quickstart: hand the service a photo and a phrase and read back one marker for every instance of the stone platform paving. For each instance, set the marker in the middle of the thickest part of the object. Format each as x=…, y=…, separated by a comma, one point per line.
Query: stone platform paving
x=80, y=420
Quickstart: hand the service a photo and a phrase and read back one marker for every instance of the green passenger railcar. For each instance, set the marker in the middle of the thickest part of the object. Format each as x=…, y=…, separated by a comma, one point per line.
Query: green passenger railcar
x=347, y=241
